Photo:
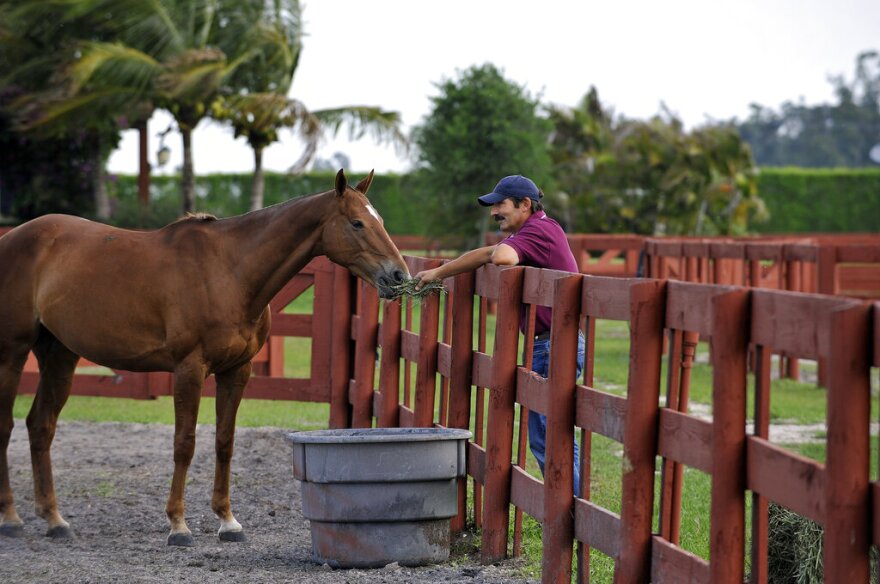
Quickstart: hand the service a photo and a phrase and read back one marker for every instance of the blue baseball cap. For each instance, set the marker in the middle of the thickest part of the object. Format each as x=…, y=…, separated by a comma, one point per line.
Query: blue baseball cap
x=516, y=186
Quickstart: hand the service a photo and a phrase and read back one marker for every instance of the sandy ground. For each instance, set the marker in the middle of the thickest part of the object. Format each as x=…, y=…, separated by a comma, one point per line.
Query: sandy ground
x=112, y=481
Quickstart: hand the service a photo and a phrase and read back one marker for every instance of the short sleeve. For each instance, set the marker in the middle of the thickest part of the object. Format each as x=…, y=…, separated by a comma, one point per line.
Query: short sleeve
x=530, y=245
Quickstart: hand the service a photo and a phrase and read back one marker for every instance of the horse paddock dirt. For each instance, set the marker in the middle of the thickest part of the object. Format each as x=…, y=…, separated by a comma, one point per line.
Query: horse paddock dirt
x=112, y=481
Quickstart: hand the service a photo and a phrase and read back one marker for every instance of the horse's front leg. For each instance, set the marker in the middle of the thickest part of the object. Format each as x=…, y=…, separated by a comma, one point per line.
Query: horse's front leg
x=230, y=388
x=189, y=378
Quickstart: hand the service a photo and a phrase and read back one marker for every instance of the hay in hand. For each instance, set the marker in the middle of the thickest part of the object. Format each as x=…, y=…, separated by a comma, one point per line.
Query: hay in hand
x=408, y=288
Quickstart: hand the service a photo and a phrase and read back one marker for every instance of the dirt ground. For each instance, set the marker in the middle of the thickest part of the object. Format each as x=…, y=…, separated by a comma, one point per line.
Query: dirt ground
x=112, y=481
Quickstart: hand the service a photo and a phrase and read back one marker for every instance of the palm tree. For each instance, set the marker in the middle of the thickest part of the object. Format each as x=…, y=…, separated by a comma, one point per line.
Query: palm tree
x=259, y=117
x=36, y=40
x=257, y=105
x=171, y=54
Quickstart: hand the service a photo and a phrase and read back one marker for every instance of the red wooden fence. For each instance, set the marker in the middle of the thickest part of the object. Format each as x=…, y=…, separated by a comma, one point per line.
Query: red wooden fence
x=432, y=371
x=734, y=321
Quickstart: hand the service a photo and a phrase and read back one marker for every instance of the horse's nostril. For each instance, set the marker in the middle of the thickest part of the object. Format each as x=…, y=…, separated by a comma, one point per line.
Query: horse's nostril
x=399, y=276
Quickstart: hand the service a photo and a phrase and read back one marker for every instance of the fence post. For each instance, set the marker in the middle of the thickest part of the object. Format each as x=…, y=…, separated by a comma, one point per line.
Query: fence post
x=826, y=283
x=460, y=373
x=341, y=348
x=647, y=308
x=847, y=506
x=730, y=322
x=361, y=386
x=388, y=412
x=502, y=395
x=558, y=469
x=426, y=368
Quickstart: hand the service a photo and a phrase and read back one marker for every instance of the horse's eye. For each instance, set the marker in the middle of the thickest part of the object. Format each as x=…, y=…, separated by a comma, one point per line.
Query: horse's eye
x=357, y=224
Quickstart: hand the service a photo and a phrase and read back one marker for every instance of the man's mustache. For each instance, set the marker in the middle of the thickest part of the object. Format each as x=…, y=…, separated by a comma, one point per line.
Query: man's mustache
x=498, y=218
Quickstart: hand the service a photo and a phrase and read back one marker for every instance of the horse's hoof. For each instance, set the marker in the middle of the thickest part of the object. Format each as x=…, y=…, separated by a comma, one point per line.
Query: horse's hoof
x=181, y=539
x=12, y=530
x=236, y=536
x=60, y=532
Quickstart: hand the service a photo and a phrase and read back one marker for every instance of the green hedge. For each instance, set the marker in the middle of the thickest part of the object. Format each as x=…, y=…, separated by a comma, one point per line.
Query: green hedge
x=799, y=200
x=225, y=195
x=804, y=200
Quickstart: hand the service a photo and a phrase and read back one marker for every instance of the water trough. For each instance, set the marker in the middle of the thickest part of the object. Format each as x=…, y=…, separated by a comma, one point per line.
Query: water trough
x=374, y=496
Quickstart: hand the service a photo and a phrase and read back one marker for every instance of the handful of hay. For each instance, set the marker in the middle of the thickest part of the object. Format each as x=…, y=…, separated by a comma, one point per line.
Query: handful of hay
x=408, y=288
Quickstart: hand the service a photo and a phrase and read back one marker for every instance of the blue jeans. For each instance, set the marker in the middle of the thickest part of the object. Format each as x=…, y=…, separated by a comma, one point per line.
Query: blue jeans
x=538, y=422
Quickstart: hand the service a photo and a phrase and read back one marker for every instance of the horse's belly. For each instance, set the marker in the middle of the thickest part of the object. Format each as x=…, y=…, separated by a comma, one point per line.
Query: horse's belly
x=114, y=338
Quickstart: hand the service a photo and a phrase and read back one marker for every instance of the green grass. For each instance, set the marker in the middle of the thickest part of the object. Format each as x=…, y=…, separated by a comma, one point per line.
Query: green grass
x=791, y=401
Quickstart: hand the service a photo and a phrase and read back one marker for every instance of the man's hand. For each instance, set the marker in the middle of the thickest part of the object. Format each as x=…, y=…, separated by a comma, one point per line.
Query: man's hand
x=426, y=276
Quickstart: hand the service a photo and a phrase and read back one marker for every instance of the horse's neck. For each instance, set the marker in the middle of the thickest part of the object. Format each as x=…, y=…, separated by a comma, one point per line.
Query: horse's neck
x=275, y=243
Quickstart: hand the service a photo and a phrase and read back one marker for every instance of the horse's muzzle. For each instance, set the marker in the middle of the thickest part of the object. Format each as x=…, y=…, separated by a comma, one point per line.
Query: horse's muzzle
x=388, y=279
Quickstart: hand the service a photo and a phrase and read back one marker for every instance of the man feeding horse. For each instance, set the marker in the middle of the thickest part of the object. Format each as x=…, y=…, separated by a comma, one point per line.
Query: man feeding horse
x=191, y=298
x=533, y=239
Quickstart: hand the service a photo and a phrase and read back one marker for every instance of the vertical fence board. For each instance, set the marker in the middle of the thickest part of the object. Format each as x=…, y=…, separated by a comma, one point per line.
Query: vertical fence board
x=648, y=304
x=499, y=437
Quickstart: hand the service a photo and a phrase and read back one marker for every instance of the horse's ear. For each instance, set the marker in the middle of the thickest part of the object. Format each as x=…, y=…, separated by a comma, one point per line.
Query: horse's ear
x=364, y=185
x=341, y=182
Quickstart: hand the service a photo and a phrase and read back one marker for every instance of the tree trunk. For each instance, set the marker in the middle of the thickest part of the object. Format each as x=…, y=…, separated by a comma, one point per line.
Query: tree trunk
x=96, y=174
x=187, y=176
x=259, y=182
x=143, y=165
x=99, y=185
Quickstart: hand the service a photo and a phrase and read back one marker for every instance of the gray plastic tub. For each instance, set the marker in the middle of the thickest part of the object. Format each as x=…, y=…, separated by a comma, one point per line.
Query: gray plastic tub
x=379, y=495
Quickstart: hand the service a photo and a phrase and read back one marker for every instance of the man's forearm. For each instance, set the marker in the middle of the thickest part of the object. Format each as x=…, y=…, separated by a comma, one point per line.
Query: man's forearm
x=467, y=262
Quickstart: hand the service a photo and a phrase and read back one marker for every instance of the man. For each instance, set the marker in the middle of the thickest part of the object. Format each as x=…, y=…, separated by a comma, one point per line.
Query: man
x=534, y=239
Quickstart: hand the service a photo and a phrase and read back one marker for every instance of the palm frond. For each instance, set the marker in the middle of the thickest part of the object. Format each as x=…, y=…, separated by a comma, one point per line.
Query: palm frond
x=110, y=64
x=383, y=126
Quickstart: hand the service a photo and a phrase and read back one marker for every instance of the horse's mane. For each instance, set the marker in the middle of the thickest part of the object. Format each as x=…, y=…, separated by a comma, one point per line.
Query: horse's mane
x=194, y=217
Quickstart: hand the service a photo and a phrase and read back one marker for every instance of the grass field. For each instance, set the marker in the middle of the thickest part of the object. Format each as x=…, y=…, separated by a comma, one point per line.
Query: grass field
x=792, y=402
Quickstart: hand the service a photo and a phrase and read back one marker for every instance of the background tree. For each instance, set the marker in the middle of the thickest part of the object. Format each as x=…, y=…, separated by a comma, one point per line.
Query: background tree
x=255, y=101
x=50, y=169
x=260, y=117
x=652, y=177
x=825, y=135
x=175, y=55
x=480, y=129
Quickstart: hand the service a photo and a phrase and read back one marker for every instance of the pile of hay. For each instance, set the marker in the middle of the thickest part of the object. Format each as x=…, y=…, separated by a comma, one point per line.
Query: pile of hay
x=407, y=289
x=795, y=549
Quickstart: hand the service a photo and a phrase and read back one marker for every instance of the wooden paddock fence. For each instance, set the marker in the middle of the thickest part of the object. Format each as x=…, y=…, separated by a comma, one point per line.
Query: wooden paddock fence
x=376, y=364
x=736, y=322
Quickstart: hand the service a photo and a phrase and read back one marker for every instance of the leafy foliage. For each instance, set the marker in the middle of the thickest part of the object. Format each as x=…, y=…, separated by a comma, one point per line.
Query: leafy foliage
x=56, y=169
x=225, y=195
x=825, y=135
x=836, y=200
x=651, y=177
x=125, y=58
x=481, y=128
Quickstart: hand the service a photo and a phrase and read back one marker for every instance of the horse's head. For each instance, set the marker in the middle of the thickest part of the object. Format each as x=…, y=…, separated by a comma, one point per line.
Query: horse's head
x=354, y=237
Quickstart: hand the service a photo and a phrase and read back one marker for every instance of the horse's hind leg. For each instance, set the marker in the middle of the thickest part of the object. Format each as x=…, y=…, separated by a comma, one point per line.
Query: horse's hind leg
x=230, y=388
x=57, y=364
x=12, y=361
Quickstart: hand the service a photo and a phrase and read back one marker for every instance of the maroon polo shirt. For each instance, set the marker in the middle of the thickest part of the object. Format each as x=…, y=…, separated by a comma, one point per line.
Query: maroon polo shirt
x=541, y=243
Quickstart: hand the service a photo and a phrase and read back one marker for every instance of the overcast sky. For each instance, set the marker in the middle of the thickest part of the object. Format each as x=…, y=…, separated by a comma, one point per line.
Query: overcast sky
x=704, y=60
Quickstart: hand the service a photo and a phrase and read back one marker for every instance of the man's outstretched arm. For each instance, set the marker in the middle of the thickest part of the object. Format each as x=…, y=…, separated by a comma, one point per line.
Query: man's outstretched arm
x=501, y=255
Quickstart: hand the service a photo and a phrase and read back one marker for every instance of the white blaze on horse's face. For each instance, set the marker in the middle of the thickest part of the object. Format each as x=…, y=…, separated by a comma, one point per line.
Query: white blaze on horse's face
x=374, y=213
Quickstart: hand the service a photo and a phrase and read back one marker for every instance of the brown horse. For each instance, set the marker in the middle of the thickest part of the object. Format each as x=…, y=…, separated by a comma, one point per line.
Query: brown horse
x=191, y=298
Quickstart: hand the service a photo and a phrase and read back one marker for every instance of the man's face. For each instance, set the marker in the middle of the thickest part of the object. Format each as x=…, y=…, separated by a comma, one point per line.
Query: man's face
x=509, y=216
